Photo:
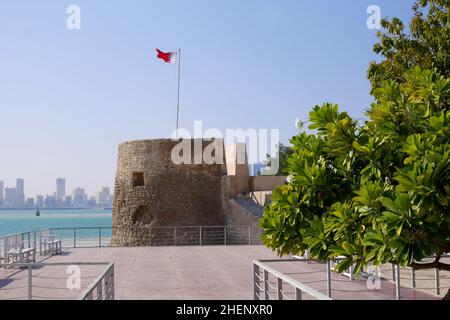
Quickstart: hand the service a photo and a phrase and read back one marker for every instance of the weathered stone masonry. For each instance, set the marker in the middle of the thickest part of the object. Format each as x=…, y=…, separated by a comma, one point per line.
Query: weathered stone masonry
x=150, y=191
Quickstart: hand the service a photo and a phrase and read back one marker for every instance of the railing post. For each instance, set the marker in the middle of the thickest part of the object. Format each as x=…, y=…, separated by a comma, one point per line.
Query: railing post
x=397, y=282
x=279, y=289
x=307, y=256
x=74, y=237
x=100, y=291
x=175, y=236
x=266, y=285
x=5, y=249
x=329, y=278
x=413, y=277
x=34, y=246
x=298, y=294
x=437, y=279
x=30, y=283
x=99, y=237
x=111, y=277
x=393, y=272
x=40, y=241
x=200, y=234
x=151, y=236
x=107, y=284
x=378, y=274
x=256, y=282
x=225, y=236
x=352, y=277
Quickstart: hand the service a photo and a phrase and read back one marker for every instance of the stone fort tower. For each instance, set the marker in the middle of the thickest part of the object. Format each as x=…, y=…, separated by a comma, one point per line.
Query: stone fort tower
x=152, y=191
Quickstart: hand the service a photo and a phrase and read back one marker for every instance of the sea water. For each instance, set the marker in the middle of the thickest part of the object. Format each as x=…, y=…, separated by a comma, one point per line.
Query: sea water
x=18, y=221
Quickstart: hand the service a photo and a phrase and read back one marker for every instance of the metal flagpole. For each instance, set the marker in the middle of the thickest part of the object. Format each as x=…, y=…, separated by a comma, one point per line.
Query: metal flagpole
x=178, y=99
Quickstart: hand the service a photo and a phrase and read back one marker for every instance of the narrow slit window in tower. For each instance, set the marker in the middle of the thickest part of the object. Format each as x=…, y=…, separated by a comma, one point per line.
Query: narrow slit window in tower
x=138, y=179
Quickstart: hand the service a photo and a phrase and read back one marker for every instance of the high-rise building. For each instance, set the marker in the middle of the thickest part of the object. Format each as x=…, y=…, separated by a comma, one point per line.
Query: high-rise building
x=30, y=203
x=79, y=198
x=10, y=198
x=2, y=190
x=60, y=188
x=50, y=202
x=92, y=202
x=103, y=197
x=39, y=201
x=67, y=202
x=106, y=191
x=20, y=186
x=100, y=198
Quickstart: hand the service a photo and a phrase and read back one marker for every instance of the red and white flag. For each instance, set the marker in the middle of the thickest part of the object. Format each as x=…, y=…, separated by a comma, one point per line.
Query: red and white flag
x=169, y=57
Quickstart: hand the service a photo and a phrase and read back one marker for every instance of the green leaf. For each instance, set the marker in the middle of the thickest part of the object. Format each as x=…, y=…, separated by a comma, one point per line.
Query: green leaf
x=399, y=230
x=344, y=265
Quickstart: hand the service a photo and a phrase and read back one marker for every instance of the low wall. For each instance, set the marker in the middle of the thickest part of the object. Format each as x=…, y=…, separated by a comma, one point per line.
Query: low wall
x=266, y=183
x=244, y=212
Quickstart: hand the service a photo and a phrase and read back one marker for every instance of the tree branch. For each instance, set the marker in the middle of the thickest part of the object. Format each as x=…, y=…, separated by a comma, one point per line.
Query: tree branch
x=436, y=264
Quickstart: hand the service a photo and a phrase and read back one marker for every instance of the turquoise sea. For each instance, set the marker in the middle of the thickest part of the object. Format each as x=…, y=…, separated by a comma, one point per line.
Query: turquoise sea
x=17, y=221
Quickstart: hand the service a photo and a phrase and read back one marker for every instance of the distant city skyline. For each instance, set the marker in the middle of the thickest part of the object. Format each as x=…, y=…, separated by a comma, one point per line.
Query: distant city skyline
x=69, y=187
x=69, y=97
x=16, y=197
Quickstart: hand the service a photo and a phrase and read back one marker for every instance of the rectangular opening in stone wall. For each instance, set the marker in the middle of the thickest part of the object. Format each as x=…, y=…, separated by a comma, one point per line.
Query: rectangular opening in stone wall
x=138, y=179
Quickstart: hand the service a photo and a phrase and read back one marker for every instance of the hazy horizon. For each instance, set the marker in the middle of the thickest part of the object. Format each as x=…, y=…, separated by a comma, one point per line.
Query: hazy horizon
x=68, y=97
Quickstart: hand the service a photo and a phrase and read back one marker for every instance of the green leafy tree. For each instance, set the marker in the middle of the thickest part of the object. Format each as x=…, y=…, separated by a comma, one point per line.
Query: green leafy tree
x=376, y=193
x=426, y=45
x=283, y=152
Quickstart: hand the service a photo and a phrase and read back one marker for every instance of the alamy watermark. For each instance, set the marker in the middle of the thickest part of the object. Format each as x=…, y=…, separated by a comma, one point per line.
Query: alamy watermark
x=73, y=281
x=374, y=278
x=250, y=146
x=73, y=21
x=374, y=20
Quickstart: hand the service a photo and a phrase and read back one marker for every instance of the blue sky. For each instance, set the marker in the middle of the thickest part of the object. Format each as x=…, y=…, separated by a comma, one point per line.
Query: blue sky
x=67, y=98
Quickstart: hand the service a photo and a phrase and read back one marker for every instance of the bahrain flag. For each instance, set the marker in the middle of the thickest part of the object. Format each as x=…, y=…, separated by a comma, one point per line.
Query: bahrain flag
x=169, y=57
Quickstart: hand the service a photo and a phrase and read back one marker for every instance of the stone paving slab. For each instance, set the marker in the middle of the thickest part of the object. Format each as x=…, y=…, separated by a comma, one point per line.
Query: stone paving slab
x=197, y=272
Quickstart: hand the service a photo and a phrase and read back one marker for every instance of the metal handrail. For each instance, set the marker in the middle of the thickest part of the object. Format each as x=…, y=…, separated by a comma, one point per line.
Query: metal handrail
x=201, y=235
x=101, y=280
x=395, y=275
x=280, y=277
x=93, y=237
x=181, y=235
x=109, y=271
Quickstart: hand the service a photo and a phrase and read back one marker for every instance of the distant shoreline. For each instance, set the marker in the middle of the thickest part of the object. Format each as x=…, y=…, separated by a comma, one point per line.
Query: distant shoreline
x=54, y=209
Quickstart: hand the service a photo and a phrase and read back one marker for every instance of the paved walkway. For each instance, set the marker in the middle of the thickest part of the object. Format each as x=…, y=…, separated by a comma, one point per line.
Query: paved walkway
x=207, y=272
